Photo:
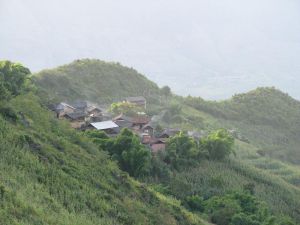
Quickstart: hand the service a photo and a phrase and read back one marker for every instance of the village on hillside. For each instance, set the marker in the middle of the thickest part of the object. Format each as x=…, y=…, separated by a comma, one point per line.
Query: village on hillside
x=84, y=115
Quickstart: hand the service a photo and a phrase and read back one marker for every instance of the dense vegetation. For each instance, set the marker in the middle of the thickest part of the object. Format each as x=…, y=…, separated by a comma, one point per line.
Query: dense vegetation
x=51, y=174
x=131, y=155
x=176, y=172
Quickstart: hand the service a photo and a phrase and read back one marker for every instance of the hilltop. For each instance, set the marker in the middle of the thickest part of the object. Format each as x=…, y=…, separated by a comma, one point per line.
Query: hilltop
x=94, y=80
x=268, y=117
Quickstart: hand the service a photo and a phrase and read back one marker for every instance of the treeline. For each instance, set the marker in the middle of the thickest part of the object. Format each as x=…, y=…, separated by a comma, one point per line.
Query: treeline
x=181, y=151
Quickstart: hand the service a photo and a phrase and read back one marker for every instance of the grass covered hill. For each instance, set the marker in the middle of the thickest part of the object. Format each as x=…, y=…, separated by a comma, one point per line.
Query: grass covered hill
x=269, y=118
x=51, y=174
x=266, y=118
x=94, y=80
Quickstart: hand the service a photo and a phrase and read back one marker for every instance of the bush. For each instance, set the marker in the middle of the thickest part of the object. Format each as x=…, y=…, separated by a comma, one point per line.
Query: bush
x=195, y=203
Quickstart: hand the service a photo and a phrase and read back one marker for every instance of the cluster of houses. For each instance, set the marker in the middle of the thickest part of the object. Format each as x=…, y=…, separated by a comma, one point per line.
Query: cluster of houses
x=87, y=116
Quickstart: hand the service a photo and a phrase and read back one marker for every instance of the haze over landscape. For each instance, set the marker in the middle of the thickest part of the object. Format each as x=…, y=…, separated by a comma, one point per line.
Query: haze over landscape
x=106, y=112
x=206, y=48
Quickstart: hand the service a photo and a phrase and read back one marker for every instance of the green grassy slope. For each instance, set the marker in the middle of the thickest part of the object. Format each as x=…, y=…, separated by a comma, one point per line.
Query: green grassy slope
x=266, y=117
x=51, y=174
x=94, y=80
x=218, y=178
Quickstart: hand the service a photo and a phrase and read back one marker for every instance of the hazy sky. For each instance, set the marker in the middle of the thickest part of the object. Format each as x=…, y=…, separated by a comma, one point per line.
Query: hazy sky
x=211, y=48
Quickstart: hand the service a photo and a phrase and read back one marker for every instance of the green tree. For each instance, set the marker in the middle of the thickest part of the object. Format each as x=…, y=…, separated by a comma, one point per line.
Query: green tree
x=181, y=150
x=159, y=169
x=126, y=149
x=166, y=91
x=13, y=79
x=195, y=203
x=132, y=156
x=218, y=144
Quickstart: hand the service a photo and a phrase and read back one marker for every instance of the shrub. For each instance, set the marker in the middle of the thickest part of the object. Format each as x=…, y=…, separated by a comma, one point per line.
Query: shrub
x=195, y=203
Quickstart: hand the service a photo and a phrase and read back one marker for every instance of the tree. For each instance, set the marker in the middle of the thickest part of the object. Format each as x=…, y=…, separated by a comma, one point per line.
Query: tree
x=195, y=203
x=126, y=149
x=159, y=169
x=131, y=155
x=166, y=91
x=181, y=150
x=218, y=144
x=13, y=79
